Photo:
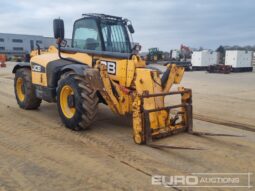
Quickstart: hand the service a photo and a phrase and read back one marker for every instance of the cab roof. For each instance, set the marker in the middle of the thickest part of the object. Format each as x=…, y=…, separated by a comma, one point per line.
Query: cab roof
x=104, y=17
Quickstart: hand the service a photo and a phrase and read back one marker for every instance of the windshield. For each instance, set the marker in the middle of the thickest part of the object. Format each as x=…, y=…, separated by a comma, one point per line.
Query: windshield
x=115, y=37
x=86, y=35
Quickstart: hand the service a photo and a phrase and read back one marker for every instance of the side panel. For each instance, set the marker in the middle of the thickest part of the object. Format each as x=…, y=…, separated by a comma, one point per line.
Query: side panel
x=38, y=74
x=38, y=67
x=121, y=71
x=46, y=67
x=116, y=69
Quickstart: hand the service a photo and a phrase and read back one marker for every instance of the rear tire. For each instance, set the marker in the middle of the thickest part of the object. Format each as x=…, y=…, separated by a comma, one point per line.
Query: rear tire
x=80, y=112
x=24, y=90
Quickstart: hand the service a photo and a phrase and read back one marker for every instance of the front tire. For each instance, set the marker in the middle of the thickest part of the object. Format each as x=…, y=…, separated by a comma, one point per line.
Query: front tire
x=24, y=90
x=77, y=102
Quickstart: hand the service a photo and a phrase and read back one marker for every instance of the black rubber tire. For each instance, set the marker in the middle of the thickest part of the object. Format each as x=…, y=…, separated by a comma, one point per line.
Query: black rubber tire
x=30, y=101
x=85, y=101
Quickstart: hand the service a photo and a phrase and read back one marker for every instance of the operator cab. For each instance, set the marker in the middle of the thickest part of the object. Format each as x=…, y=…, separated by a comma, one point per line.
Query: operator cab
x=102, y=32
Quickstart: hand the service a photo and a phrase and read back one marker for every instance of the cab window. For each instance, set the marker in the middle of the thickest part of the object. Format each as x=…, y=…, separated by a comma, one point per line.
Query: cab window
x=115, y=37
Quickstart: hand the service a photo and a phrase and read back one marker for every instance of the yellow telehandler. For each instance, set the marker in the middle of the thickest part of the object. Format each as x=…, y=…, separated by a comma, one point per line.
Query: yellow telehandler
x=103, y=66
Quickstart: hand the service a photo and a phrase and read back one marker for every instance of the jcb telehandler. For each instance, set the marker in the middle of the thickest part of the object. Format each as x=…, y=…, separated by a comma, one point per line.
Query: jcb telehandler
x=102, y=66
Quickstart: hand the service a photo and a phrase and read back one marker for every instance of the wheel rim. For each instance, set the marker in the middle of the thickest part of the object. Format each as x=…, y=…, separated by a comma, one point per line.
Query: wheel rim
x=67, y=110
x=20, y=89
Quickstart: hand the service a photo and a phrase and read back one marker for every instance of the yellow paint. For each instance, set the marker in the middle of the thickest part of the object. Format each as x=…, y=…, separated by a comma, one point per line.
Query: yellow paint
x=149, y=81
x=66, y=91
x=19, y=89
x=175, y=76
x=81, y=57
x=122, y=91
x=39, y=78
x=51, y=49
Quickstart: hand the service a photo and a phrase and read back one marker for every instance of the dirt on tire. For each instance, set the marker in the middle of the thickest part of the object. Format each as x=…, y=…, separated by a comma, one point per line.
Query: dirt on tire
x=85, y=102
x=30, y=100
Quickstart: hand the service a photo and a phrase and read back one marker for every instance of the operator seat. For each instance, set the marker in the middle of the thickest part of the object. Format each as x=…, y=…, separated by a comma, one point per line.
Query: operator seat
x=91, y=44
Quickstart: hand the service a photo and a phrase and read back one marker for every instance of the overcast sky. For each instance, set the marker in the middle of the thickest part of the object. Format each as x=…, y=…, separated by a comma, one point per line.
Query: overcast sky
x=159, y=23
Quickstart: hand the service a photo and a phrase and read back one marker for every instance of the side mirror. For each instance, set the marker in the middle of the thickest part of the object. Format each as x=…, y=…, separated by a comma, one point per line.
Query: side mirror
x=131, y=28
x=59, y=29
x=136, y=48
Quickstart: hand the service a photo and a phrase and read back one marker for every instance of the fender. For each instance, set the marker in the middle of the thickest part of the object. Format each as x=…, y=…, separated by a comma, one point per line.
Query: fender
x=77, y=68
x=56, y=68
x=21, y=65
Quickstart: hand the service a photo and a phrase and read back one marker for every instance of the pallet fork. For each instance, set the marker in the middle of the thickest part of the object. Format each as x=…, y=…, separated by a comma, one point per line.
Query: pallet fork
x=181, y=122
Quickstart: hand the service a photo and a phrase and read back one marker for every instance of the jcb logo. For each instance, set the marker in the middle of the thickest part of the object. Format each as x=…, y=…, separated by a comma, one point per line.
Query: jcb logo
x=37, y=68
x=111, y=67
